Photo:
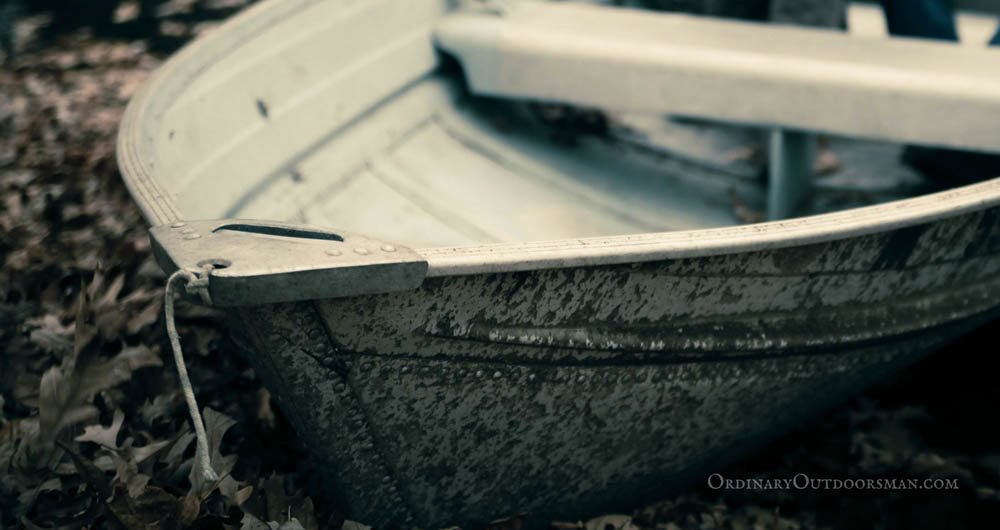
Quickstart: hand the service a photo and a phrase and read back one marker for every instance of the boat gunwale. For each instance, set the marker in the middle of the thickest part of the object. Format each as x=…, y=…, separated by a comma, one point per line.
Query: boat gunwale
x=135, y=159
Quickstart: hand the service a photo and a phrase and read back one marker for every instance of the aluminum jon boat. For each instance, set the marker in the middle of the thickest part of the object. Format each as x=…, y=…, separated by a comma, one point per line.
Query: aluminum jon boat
x=465, y=319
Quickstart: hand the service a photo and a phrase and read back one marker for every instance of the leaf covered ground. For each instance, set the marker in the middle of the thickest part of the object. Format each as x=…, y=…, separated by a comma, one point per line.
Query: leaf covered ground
x=94, y=432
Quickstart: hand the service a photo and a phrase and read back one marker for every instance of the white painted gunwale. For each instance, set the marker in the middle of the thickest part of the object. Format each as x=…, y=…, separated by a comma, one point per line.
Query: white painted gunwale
x=135, y=158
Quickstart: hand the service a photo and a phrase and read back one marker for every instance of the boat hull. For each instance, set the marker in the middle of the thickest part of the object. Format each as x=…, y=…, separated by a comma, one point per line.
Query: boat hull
x=592, y=330
x=570, y=391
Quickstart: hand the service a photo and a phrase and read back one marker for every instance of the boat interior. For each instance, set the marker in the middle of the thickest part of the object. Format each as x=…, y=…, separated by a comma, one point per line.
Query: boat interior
x=354, y=121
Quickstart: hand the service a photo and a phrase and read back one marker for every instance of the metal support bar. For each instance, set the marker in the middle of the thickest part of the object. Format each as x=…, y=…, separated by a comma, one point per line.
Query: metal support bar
x=790, y=170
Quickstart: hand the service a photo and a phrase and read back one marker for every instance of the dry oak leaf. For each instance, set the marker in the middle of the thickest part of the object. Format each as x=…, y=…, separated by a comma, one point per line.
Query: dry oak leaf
x=66, y=392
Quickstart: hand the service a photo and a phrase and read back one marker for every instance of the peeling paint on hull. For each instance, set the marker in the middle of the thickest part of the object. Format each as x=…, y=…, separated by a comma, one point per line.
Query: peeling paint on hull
x=568, y=392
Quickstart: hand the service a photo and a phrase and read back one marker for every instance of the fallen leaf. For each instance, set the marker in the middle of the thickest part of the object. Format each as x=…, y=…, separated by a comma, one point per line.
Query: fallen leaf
x=610, y=522
x=216, y=425
x=152, y=509
x=93, y=476
x=106, y=436
x=50, y=335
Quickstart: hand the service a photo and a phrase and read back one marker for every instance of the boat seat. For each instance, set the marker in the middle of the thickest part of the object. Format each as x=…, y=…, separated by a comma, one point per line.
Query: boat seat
x=903, y=90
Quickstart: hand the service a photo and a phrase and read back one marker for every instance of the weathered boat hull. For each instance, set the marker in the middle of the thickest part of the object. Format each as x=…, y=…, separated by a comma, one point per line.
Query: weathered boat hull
x=576, y=345
x=567, y=392
x=562, y=443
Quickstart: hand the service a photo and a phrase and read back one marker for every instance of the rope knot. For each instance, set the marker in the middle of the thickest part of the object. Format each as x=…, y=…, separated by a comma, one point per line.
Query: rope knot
x=195, y=282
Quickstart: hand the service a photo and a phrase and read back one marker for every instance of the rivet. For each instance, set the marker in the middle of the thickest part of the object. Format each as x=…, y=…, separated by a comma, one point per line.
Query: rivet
x=497, y=375
x=333, y=252
x=581, y=379
x=192, y=236
x=178, y=224
x=479, y=373
x=532, y=377
x=405, y=369
x=361, y=250
x=388, y=248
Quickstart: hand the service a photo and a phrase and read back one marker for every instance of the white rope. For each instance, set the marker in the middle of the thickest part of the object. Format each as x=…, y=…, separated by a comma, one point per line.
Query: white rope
x=201, y=457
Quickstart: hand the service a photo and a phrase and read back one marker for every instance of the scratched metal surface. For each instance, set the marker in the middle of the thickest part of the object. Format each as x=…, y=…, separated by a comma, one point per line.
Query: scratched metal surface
x=567, y=392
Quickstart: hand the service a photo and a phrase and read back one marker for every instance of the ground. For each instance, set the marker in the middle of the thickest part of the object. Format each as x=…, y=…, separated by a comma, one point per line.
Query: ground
x=94, y=432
